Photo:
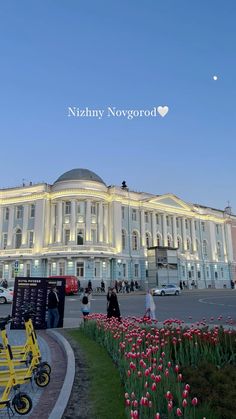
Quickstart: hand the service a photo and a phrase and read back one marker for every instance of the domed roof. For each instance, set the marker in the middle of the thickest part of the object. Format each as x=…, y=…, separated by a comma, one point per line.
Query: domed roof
x=80, y=174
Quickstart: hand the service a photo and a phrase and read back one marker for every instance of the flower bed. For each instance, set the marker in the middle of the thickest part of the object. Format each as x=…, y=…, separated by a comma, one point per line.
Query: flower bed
x=151, y=359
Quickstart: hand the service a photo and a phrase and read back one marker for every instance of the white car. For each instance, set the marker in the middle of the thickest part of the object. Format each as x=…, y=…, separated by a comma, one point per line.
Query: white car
x=168, y=289
x=6, y=295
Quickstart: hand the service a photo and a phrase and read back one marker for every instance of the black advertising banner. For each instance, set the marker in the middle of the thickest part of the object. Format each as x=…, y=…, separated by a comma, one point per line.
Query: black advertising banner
x=35, y=291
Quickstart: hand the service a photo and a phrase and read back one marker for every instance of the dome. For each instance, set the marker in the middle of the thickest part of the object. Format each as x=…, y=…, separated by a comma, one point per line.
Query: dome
x=80, y=174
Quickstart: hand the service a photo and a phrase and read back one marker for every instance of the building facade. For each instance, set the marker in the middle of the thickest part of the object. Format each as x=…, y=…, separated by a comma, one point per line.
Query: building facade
x=79, y=226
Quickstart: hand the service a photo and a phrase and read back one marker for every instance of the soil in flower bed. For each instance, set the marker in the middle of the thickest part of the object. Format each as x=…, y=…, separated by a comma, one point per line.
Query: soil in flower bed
x=214, y=386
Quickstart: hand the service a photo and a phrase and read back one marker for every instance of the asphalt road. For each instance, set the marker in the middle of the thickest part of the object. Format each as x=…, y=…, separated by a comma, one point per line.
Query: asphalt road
x=190, y=306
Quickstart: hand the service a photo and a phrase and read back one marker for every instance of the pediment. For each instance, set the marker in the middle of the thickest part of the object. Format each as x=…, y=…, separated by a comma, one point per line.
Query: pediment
x=170, y=200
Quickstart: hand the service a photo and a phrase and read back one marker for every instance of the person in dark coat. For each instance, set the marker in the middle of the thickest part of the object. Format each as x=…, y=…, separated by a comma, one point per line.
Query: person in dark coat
x=53, y=312
x=113, y=309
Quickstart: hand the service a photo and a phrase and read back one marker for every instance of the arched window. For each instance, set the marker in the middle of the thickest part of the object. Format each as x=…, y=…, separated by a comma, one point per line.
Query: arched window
x=158, y=240
x=219, y=249
x=179, y=242
x=204, y=248
x=169, y=241
x=148, y=240
x=134, y=240
x=197, y=245
x=18, y=238
x=188, y=245
x=123, y=239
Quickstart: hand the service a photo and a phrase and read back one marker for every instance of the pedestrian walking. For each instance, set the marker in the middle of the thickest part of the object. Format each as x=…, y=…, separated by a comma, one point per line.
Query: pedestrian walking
x=123, y=286
x=181, y=285
x=113, y=309
x=85, y=303
x=132, y=285
x=53, y=312
x=90, y=289
x=150, y=306
x=102, y=286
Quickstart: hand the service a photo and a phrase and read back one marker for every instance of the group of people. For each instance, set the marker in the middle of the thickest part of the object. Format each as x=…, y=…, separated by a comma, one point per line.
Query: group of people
x=113, y=308
x=125, y=286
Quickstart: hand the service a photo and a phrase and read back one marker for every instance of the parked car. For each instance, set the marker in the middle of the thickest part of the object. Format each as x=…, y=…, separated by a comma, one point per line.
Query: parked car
x=6, y=295
x=168, y=289
x=71, y=283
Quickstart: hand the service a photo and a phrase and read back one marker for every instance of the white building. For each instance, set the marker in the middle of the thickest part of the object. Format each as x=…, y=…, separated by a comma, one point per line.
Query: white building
x=79, y=226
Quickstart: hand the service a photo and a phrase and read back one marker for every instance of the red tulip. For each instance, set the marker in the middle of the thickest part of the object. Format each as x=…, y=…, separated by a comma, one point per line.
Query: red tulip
x=194, y=401
x=179, y=412
x=184, y=403
x=154, y=386
x=157, y=416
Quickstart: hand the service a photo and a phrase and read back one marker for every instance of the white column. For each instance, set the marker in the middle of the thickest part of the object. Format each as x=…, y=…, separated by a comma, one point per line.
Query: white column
x=39, y=224
x=73, y=221
x=184, y=234
x=224, y=242
x=117, y=226
x=100, y=222
x=106, y=224
x=229, y=241
x=212, y=229
x=1, y=222
x=154, y=229
x=193, y=235
x=47, y=223
x=25, y=225
x=175, y=232
x=88, y=221
x=164, y=230
x=142, y=228
x=59, y=221
x=10, y=227
x=52, y=222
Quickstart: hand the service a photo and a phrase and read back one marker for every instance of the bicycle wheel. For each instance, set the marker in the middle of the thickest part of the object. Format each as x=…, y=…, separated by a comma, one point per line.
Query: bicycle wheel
x=46, y=366
x=22, y=403
x=42, y=378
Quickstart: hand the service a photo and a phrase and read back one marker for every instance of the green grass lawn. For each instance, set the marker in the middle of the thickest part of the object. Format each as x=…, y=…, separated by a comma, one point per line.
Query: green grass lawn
x=106, y=392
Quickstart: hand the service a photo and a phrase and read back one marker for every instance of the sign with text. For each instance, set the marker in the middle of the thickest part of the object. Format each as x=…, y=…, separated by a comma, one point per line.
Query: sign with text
x=35, y=292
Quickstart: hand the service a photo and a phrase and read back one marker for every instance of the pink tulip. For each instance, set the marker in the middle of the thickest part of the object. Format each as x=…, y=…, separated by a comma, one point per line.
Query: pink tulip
x=154, y=386
x=179, y=412
x=126, y=395
x=180, y=377
x=184, y=403
x=187, y=387
x=194, y=401
x=170, y=406
x=157, y=416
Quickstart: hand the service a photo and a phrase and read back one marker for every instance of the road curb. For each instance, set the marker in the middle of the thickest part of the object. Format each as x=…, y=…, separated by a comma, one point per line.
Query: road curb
x=65, y=392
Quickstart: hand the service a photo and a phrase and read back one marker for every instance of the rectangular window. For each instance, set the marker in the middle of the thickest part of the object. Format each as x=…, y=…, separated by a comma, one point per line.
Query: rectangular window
x=146, y=215
x=79, y=208
x=67, y=236
x=80, y=237
x=4, y=240
x=94, y=235
x=203, y=225
x=186, y=224
x=124, y=270
x=1, y=271
x=167, y=221
x=123, y=212
x=6, y=214
x=217, y=229
x=28, y=270
x=222, y=272
x=134, y=215
x=207, y=272
x=54, y=234
x=19, y=212
x=32, y=210
x=195, y=225
x=80, y=269
x=31, y=239
x=93, y=209
x=61, y=268
x=68, y=208
x=177, y=222
x=157, y=219
x=136, y=270
x=183, y=271
x=97, y=269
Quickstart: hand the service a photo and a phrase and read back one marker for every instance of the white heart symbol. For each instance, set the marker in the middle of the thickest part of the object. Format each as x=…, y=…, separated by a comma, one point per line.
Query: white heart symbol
x=163, y=110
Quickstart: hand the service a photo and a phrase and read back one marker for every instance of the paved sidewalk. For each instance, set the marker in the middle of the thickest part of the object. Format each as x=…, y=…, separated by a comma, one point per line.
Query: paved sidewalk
x=44, y=399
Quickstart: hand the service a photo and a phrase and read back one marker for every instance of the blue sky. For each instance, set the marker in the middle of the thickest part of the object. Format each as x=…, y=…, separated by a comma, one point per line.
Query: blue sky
x=129, y=54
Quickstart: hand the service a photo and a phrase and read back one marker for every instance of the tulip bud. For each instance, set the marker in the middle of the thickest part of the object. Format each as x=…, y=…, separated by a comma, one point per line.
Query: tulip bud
x=157, y=416
x=184, y=403
x=194, y=401
x=179, y=412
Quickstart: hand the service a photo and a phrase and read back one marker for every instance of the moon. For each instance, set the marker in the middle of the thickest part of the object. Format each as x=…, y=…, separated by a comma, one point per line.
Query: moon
x=215, y=78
